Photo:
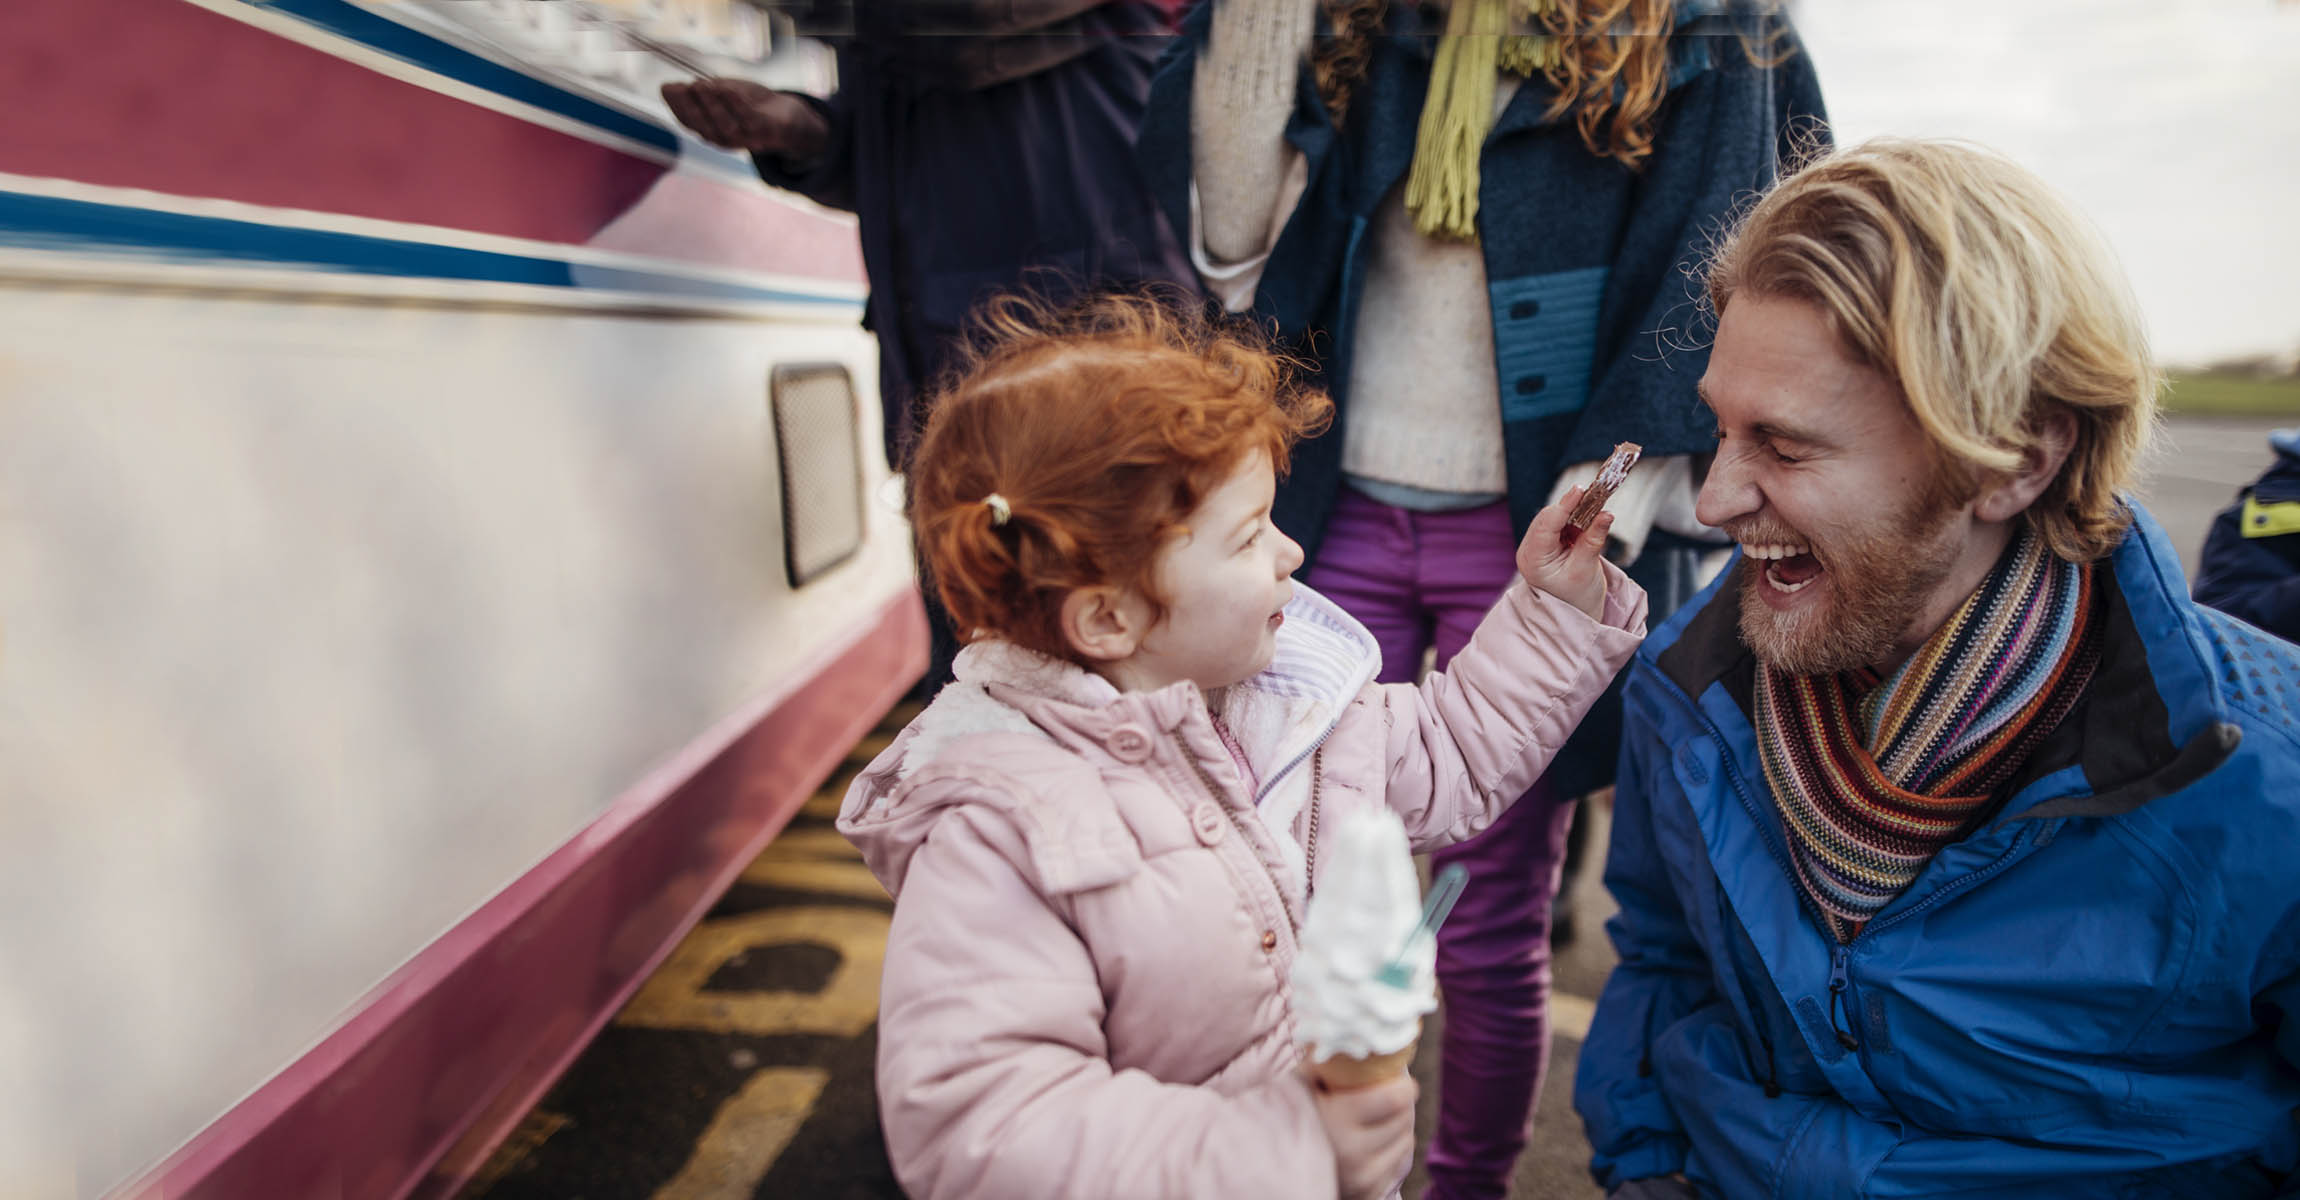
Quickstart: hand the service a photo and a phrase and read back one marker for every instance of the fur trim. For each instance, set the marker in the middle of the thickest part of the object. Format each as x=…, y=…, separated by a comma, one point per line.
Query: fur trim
x=966, y=707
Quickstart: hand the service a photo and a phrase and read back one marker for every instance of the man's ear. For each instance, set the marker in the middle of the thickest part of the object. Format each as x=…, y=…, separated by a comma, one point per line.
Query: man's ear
x=1104, y=623
x=2010, y=495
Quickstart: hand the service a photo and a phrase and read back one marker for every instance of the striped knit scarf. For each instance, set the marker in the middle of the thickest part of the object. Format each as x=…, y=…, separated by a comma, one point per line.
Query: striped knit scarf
x=1873, y=780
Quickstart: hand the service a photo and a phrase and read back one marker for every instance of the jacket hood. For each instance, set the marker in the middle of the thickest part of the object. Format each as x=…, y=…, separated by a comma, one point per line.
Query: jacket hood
x=1007, y=704
x=2281, y=483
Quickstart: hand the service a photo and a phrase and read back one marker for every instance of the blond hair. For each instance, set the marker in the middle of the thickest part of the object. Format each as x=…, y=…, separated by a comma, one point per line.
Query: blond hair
x=1963, y=278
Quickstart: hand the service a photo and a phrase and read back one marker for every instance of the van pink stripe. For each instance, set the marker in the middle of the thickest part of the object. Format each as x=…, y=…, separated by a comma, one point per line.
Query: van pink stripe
x=173, y=98
x=464, y=1038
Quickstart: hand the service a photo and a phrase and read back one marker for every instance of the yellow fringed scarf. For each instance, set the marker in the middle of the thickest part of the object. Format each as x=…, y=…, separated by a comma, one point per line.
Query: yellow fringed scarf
x=1479, y=41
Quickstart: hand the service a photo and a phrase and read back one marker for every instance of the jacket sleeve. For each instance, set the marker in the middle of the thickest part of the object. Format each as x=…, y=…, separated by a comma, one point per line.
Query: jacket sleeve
x=1662, y=976
x=2248, y=579
x=1468, y=740
x=994, y=1080
x=2281, y=997
x=1722, y=135
x=829, y=180
x=1293, y=281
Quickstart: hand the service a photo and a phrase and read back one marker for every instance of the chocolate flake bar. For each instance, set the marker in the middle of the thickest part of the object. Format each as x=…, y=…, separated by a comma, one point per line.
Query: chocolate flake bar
x=1600, y=490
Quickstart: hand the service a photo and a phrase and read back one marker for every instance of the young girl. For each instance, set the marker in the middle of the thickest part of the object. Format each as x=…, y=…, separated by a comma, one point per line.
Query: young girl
x=1102, y=836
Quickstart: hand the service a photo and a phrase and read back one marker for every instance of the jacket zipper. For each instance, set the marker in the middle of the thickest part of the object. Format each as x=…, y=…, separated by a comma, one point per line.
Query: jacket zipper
x=1838, y=956
x=1214, y=792
x=1841, y=953
x=1310, y=851
x=1316, y=748
x=1840, y=983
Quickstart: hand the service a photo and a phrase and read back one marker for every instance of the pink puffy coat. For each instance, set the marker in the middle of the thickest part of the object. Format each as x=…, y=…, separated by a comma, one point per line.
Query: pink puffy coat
x=1095, y=907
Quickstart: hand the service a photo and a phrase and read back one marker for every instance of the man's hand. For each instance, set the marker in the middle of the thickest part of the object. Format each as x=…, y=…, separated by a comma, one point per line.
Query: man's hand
x=1372, y=1131
x=1574, y=574
x=737, y=114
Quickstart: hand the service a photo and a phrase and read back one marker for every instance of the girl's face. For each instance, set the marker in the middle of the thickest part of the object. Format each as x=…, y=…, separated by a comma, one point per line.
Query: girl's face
x=1225, y=580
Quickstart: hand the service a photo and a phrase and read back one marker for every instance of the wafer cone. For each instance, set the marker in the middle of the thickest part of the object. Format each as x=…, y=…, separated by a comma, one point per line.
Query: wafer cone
x=1349, y=1072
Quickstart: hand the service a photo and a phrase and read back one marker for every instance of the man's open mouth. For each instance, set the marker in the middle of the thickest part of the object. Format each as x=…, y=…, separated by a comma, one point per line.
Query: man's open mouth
x=1788, y=566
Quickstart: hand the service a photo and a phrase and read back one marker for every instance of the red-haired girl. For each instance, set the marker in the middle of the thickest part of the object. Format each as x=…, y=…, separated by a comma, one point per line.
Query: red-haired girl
x=1102, y=836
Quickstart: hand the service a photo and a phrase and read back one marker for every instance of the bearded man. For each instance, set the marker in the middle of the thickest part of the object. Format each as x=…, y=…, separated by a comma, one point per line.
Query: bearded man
x=1954, y=844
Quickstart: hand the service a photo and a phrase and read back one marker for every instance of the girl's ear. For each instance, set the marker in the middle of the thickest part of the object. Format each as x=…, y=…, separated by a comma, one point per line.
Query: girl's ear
x=1103, y=623
x=2010, y=495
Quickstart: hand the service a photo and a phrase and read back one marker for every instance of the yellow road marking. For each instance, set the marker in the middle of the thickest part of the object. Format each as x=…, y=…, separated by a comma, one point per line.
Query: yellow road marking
x=835, y=878
x=803, y=844
x=673, y=998
x=746, y=1136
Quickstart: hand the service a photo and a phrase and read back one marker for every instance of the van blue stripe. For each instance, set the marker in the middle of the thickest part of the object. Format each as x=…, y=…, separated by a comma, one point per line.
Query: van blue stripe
x=78, y=226
x=420, y=49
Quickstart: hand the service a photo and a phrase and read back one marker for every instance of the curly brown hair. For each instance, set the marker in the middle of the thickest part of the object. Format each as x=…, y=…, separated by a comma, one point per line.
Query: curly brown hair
x=1612, y=75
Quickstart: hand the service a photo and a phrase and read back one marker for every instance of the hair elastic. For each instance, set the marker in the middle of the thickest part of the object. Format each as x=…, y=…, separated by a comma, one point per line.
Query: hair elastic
x=1000, y=511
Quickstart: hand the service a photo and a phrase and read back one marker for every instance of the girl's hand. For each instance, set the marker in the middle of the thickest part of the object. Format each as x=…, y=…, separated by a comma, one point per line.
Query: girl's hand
x=1372, y=1131
x=1576, y=575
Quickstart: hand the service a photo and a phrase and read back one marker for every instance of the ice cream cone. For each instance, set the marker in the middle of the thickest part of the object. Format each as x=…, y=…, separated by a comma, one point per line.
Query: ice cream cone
x=1349, y=1072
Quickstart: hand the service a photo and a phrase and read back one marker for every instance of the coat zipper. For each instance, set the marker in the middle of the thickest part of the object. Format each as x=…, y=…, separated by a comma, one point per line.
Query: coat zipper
x=1214, y=792
x=1841, y=953
x=1838, y=956
x=1310, y=851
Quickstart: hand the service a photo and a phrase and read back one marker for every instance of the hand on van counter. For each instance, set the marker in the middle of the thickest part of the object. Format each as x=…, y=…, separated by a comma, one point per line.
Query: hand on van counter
x=737, y=114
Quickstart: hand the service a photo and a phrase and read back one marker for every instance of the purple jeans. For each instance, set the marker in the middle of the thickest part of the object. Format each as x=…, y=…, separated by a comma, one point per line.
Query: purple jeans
x=1416, y=580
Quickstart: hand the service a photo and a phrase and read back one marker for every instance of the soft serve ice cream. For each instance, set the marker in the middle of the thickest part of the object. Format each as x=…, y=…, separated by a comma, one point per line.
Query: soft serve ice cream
x=1357, y=1024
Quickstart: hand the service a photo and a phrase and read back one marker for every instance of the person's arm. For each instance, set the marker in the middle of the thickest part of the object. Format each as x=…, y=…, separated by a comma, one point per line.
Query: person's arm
x=1467, y=741
x=821, y=165
x=2248, y=578
x=1240, y=102
x=796, y=142
x=1233, y=142
x=1662, y=975
x=1722, y=136
x=994, y=1079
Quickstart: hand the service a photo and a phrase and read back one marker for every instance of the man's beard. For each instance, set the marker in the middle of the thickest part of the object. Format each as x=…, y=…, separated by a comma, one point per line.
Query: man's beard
x=1878, y=583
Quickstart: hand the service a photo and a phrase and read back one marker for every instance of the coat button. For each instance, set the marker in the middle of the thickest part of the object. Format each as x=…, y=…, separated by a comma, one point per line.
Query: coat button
x=1523, y=309
x=1531, y=384
x=1206, y=821
x=1269, y=939
x=1130, y=743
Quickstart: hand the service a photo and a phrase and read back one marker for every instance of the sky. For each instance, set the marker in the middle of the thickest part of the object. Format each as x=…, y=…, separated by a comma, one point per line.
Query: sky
x=2173, y=124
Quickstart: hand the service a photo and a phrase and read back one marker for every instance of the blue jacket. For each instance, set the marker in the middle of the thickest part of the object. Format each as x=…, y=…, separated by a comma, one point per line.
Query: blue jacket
x=2250, y=568
x=2091, y=995
x=1589, y=265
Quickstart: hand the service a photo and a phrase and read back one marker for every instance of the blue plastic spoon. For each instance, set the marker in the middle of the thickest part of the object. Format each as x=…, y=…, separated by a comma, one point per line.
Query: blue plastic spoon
x=1444, y=890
